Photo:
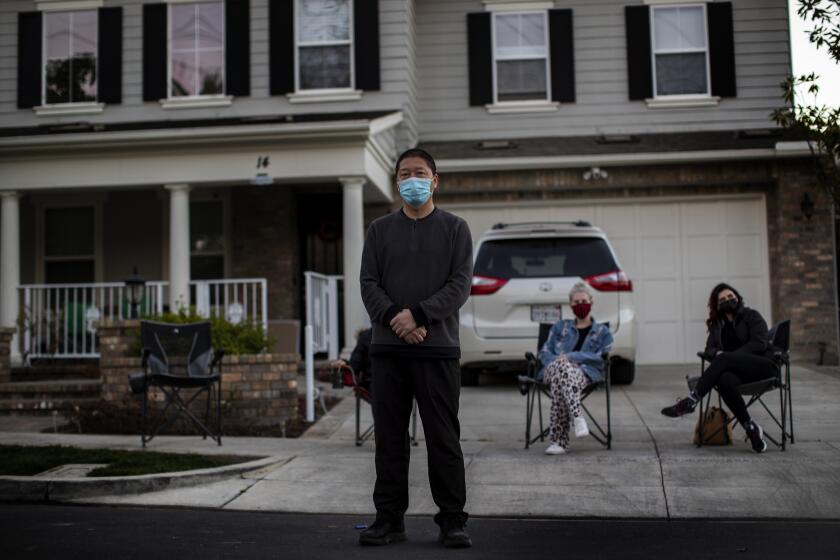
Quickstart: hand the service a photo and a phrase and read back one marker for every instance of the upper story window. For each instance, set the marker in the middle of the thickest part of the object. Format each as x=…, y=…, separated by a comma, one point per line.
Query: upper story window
x=680, y=50
x=520, y=52
x=70, y=44
x=197, y=49
x=324, y=44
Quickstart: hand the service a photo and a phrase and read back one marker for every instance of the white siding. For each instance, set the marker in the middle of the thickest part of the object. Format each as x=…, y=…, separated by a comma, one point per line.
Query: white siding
x=397, y=54
x=762, y=59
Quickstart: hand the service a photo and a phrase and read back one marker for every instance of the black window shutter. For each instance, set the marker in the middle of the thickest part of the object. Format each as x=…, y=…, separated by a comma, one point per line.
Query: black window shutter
x=639, y=69
x=154, y=52
x=366, y=38
x=721, y=48
x=238, y=47
x=480, y=58
x=109, y=54
x=562, y=52
x=29, y=60
x=281, y=27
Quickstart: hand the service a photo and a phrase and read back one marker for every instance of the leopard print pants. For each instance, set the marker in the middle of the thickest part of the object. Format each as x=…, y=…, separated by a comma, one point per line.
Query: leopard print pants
x=566, y=381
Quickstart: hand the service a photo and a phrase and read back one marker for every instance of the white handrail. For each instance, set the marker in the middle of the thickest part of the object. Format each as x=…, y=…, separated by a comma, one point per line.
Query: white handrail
x=58, y=319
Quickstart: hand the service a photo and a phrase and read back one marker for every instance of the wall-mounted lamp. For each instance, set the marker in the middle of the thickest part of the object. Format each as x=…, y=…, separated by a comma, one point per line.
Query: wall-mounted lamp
x=806, y=205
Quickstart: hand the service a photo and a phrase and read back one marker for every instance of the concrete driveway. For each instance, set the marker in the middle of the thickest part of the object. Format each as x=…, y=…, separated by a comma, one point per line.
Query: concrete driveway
x=652, y=471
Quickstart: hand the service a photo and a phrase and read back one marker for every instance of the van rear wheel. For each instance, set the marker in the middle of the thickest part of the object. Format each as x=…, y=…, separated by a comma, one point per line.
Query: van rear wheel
x=622, y=372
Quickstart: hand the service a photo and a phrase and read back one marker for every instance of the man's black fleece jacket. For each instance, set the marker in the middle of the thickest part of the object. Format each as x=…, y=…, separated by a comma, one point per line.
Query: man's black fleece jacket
x=423, y=265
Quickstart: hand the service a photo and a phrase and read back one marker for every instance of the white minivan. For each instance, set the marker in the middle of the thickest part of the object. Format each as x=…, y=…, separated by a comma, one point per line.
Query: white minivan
x=522, y=277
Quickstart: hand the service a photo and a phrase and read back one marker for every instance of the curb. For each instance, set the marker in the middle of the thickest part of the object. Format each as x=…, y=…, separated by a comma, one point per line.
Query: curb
x=44, y=489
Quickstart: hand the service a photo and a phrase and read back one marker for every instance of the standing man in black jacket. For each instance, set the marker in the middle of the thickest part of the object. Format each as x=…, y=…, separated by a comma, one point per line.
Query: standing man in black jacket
x=416, y=274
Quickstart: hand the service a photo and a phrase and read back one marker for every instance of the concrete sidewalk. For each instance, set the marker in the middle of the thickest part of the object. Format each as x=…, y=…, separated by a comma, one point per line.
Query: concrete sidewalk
x=653, y=470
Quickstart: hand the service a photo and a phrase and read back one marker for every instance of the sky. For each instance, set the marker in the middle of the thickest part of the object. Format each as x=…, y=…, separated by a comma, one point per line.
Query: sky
x=806, y=59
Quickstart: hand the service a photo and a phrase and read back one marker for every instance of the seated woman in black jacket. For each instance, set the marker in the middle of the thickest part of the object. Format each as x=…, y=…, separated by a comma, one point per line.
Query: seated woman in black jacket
x=737, y=351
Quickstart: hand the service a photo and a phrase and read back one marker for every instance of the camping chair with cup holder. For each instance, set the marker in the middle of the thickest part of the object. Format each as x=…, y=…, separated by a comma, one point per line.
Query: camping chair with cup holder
x=176, y=358
x=779, y=337
x=534, y=389
x=361, y=381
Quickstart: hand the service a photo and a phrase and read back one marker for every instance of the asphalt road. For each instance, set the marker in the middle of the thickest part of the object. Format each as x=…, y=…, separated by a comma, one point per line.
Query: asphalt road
x=99, y=533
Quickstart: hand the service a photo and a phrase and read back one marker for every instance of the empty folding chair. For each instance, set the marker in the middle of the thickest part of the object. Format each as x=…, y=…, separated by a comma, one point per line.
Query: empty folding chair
x=361, y=383
x=534, y=389
x=779, y=337
x=163, y=344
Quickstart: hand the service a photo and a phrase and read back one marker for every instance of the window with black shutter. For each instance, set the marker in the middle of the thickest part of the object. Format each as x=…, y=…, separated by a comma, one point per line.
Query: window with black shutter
x=680, y=51
x=69, y=60
x=324, y=47
x=521, y=58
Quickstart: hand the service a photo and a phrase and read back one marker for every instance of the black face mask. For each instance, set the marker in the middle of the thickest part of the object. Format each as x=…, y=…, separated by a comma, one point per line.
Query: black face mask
x=729, y=306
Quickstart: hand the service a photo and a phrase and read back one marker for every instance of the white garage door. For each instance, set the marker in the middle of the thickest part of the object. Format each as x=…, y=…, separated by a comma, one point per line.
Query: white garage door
x=674, y=251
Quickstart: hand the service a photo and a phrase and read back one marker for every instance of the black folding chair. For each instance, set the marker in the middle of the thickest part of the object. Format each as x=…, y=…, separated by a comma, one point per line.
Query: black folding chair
x=201, y=372
x=779, y=337
x=534, y=389
x=361, y=384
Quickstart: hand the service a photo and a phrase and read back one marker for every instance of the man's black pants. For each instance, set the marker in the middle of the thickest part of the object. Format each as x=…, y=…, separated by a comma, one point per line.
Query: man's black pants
x=727, y=371
x=436, y=384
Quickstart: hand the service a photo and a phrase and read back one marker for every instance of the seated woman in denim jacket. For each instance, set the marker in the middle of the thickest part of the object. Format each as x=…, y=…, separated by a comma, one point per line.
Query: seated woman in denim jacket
x=571, y=359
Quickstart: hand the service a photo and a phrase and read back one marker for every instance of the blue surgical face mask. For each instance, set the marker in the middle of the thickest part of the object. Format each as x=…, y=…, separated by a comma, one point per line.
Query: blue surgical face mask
x=415, y=191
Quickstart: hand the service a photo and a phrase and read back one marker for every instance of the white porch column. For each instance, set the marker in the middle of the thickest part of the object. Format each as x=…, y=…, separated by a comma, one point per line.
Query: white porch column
x=355, y=315
x=10, y=264
x=179, y=246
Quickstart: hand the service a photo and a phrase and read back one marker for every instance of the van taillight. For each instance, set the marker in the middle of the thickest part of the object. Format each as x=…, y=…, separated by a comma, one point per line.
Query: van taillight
x=616, y=281
x=484, y=285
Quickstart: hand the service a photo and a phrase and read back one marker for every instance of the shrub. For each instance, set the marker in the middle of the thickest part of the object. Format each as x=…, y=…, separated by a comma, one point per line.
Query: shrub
x=244, y=338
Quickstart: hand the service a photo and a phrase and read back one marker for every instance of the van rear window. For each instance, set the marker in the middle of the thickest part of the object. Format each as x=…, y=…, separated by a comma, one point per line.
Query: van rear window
x=544, y=258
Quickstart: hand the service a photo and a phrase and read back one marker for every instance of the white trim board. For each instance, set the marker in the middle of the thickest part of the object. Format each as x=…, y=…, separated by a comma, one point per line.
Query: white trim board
x=653, y=158
x=589, y=201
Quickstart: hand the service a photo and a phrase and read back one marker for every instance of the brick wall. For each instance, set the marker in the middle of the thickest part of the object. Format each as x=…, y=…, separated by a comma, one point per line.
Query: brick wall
x=801, y=251
x=265, y=244
x=257, y=389
x=802, y=264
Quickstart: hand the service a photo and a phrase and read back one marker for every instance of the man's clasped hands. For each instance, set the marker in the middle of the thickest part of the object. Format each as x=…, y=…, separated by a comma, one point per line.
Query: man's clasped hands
x=405, y=327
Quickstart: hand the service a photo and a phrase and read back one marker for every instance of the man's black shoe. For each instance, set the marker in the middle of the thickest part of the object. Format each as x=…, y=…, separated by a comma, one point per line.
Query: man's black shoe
x=383, y=532
x=683, y=406
x=453, y=535
x=756, y=437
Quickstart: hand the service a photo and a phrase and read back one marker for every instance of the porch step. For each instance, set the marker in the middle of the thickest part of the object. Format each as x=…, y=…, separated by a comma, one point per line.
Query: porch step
x=42, y=406
x=48, y=394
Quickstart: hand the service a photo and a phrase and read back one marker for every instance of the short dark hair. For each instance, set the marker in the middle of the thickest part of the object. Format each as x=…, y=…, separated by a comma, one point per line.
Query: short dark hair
x=416, y=152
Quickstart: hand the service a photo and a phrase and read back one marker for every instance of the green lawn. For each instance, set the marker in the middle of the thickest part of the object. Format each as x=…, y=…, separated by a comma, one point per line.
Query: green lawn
x=21, y=460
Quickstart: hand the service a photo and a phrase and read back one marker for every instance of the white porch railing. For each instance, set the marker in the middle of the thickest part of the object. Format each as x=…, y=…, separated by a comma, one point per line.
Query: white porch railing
x=57, y=319
x=322, y=312
x=321, y=330
x=235, y=299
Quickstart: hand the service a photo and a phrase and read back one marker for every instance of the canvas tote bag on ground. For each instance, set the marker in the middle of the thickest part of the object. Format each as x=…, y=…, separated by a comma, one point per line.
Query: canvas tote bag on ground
x=713, y=421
